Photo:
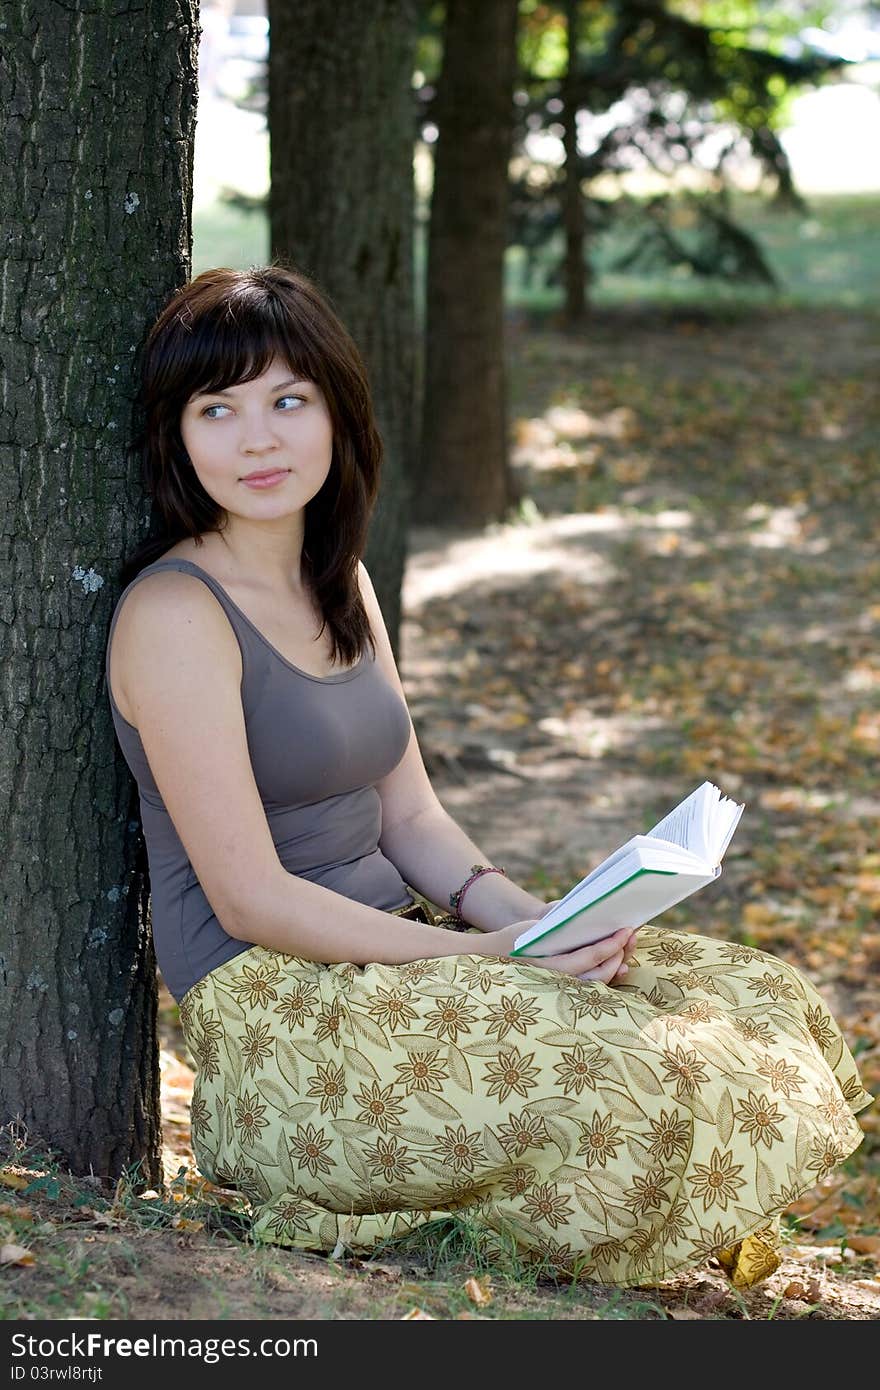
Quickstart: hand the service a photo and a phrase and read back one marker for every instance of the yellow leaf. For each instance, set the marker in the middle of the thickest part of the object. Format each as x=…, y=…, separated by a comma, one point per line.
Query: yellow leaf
x=183, y=1223
x=477, y=1293
x=418, y=1313
x=751, y=1261
x=759, y=915
x=16, y=1255
x=515, y=719
x=9, y=1179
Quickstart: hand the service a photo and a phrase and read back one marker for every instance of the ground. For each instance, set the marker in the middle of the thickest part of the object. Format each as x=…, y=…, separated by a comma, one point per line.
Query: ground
x=689, y=591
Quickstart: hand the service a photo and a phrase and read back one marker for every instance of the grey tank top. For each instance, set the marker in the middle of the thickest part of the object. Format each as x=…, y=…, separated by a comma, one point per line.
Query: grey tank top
x=318, y=745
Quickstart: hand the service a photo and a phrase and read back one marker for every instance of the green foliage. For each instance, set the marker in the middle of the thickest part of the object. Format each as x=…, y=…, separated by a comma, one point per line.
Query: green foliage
x=709, y=243
x=684, y=72
x=825, y=254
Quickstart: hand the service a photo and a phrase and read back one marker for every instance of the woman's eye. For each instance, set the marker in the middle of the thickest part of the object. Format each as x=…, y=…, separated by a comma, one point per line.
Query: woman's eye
x=208, y=416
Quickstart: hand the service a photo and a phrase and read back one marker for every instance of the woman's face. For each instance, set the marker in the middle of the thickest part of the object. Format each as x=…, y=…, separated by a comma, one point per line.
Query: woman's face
x=275, y=422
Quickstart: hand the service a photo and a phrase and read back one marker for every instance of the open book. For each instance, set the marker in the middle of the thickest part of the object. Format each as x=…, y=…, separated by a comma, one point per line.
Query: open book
x=643, y=878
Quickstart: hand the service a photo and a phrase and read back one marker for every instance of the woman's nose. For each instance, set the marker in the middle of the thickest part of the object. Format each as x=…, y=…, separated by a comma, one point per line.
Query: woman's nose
x=257, y=433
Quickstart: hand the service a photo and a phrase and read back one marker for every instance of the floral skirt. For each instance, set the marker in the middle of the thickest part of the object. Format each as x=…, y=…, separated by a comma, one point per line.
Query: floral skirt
x=615, y=1133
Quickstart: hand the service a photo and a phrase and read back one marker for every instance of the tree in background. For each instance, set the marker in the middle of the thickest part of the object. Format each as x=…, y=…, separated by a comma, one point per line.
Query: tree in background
x=494, y=74
x=663, y=78
x=96, y=233
x=463, y=475
x=341, y=211
x=577, y=270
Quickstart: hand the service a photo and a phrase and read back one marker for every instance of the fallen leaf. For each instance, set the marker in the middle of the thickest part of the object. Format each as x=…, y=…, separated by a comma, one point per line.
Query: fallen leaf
x=794, y=1290
x=864, y=1245
x=751, y=1261
x=16, y=1255
x=477, y=1293
x=382, y=1271
x=16, y=1213
x=680, y=1314
x=13, y=1179
x=183, y=1223
x=418, y=1313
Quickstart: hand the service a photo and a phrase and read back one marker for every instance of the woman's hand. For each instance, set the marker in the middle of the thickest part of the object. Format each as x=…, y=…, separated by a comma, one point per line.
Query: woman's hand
x=603, y=960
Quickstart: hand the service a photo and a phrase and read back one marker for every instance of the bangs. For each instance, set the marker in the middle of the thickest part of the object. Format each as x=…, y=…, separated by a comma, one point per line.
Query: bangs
x=236, y=341
x=220, y=330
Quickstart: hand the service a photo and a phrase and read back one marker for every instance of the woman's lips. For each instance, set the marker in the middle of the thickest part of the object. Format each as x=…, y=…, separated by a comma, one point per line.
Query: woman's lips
x=269, y=481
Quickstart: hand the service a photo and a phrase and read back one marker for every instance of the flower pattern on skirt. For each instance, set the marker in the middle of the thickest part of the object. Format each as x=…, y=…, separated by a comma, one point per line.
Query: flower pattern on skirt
x=620, y=1133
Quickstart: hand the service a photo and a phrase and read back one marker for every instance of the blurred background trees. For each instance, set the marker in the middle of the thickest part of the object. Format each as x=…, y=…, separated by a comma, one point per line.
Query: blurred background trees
x=628, y=130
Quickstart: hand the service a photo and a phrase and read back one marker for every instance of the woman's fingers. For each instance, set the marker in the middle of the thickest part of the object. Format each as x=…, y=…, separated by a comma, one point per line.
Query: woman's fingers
x=589, y=958
x=600, y=960
x=607, y=970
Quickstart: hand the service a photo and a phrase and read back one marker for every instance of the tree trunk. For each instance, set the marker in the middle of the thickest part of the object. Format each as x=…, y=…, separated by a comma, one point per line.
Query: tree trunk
x=97, y=138
x=770, y=150
x=576, y=270
x=341, y=133
x=464, y=477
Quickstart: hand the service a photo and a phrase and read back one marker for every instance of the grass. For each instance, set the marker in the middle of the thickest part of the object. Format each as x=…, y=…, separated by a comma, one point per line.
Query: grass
x=224, y=234
x=98, y=1253
x=824, y=256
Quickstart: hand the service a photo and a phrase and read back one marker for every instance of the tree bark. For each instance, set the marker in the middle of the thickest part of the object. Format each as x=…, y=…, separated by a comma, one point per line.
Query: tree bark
x=341, y=131
x=576, y=269
x=97, y=130
x=464, y=476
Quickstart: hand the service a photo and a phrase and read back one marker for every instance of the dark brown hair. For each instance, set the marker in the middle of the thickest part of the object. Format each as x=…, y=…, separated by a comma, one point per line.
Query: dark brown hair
x=221, y=329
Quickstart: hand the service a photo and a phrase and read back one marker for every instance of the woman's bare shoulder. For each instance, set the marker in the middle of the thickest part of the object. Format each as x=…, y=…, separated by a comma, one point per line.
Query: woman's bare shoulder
x=162, y=610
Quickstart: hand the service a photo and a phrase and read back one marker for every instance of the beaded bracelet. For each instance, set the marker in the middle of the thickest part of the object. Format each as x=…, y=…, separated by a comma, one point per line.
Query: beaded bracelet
x=477, y=871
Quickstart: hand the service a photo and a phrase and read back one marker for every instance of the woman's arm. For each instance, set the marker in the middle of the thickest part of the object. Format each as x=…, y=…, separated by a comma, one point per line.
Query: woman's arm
x=428, y=848
x=290, y=914
x=434, y=855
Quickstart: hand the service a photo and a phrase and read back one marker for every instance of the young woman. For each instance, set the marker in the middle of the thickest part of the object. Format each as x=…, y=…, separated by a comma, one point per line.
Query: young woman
x=622, y=1111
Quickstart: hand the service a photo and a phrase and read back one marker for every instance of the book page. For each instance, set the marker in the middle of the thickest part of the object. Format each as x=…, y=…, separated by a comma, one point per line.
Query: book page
x=735, y=811
x=704, y=823
x=684, y=823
